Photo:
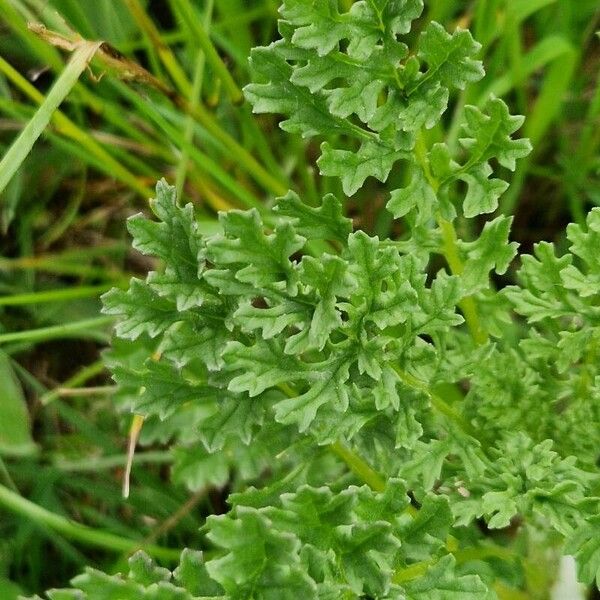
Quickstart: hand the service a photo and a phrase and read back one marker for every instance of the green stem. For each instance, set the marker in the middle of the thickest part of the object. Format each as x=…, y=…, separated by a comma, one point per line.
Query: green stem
x=477, y=553
x=438, y=403
x=451, y=250
x=194, y=100
x=53, y=295
x=56, y=331
x=212, y=56
x=167, y=57
x=412, y=571
x=467, y=305
x=112, y=462
x=359, y=466
x=83, y=375
x=6, y=478
x=21, y=147
x=78, y=532
x=71, y=130
x=238, y=152
x=488, y=551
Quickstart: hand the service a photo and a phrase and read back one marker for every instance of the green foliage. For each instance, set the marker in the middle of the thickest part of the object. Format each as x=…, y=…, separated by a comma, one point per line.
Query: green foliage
x=15, y=434
x=287, y=336
x=145, y=580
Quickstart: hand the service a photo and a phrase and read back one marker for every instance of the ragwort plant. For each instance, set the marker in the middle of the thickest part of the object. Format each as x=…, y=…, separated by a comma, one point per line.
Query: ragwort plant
x=396, y=427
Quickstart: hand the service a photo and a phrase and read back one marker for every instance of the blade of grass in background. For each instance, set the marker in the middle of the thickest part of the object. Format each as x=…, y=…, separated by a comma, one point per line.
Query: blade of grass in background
x=21, y=147
x=15, y=434
x=88, y=328
x=212, y=57
x=68, y=128
x=81, y=533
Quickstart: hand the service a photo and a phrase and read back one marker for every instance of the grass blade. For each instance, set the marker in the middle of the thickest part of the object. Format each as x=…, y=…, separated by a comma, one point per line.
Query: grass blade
x=79, y=532
x=21, y=147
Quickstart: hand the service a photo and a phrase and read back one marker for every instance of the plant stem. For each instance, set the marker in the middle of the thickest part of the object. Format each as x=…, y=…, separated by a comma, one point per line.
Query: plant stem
x=53, y=295
x=212, y=56
x=56, y=331
x=80, y=392
x=194, y=97
x=179, y=514
x=6, y=478
x=167, y=57
x=467, y=305
x=451, y=251
x=436, y=401
x=21, y=147
x=476, y=553
x=112, y=462
x=83, y=375
x=70, y=130
x=359, y=466
x=81, y=533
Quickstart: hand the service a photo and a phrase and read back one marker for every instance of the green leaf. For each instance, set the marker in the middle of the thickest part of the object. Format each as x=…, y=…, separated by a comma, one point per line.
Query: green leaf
x=235, y=417
x=323, y=520
x=584, y=245
x=197, y=469
x=319, y=25
x=417, y=196
x=425, y=535
x=559, y=287
x=387, y=506
x=331, y=70
x=263, y=366
x=370, y=266
x=142, y=570
x=145, y=579
x=486, y=136
x=174, y=239
x=326, y=222
x=449, y=57
x=308, y=113
x=439, y=304
x=191, y=574
x=261, y=561
x=157, y=388
x=441, y=582
x=482, y=193
x=526, y=478
x=271, y=320
x=15, y=428
x=186, y=341
x=9, y=590
x=141, y=310
x=501, y=506
x=491, y=251
x=427, y=462
x=373, y=158
x=327, y=387
x=327, y=276
x=584, y=544
x=262, y=259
